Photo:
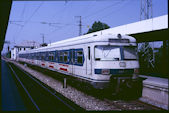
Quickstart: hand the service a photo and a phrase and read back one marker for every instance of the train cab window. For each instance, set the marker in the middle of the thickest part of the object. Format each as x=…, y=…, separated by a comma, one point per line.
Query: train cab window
x=130, y=52
x=107, y=53
x=89, y=53
x=79, y=57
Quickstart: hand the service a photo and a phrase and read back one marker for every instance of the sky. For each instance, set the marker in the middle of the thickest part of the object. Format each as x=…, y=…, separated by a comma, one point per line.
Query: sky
x=59, y=20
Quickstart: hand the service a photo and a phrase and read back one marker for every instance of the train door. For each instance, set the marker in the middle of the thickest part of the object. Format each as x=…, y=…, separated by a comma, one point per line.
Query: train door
x=88, y=62
x=72, y=60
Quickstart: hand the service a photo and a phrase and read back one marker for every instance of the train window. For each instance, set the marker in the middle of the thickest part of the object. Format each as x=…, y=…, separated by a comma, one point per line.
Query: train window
x=66, y=57
x=79, y=57
x=34, y=57
x=89, y=53
x=105, y=52
x=72, y=56
x=52, y=58
x=79, y=53
x=130, y=53
x=42, y=57
x=37, y=56
x=60, y=56
x=31, y=56
x=56, y=56
x=49, y=58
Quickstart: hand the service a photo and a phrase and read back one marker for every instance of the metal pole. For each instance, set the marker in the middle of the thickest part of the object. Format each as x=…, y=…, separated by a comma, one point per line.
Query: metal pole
x=164, y=60
x=80, y=25
x=64, y=83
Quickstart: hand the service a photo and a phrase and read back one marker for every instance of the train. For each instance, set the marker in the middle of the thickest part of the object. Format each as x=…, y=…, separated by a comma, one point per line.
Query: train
x=98, y=60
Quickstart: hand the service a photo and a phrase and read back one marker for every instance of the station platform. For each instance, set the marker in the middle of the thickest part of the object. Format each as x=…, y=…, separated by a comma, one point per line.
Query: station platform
x=155, y=91
x=11, y=99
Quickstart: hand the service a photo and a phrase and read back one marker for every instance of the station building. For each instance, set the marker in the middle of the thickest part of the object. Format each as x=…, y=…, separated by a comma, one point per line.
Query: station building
x=23, y=46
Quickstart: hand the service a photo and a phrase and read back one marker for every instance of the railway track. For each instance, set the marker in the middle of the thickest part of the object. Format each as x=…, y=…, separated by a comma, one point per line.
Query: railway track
x=127, y=104
x=38, y=96
x=131, y=105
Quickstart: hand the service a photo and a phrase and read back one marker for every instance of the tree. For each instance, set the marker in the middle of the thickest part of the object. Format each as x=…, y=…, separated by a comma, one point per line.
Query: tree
x=44, y=44
x=97, y=26
x=145, y=58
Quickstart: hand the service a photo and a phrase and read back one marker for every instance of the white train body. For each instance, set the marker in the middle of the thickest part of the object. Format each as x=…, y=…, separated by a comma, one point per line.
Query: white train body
x=93, y=59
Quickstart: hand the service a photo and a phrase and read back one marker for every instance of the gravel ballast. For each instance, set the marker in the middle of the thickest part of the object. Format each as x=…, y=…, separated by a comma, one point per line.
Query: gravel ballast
x=83, y=100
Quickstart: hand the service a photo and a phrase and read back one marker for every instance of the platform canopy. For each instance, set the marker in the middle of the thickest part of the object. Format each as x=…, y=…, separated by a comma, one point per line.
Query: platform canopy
x=155, y=29
x=158, y=35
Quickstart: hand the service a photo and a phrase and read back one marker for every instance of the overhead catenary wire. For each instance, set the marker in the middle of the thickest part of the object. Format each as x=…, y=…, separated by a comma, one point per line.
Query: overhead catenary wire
x=23, y=11
x=116, y=10
x=62, y=10
x=61, y=26
x=88, y=17
x=34, y=12
x=30, y=18
x=101, y=10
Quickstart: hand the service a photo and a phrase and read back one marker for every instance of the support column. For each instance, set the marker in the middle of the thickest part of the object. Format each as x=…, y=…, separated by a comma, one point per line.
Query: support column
x=165, y=60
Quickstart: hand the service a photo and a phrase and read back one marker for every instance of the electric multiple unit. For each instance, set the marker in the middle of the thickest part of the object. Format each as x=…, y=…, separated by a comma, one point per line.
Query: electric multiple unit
x=94, y=59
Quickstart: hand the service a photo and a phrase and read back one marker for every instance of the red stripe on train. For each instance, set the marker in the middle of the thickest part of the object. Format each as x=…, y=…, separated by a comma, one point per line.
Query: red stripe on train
x=63, y=69
x=63, y=65
x=51, y=66
x=43, y=64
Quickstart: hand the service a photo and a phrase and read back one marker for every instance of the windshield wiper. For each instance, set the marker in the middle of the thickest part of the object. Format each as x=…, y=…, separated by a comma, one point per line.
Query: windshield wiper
x=97, y=58
x=116, y=58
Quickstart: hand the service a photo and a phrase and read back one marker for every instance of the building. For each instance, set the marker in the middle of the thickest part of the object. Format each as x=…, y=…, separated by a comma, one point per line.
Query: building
x=23, y=46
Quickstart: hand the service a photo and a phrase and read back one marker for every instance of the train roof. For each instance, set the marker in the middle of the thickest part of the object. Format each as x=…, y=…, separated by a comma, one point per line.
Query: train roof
x=84, y=39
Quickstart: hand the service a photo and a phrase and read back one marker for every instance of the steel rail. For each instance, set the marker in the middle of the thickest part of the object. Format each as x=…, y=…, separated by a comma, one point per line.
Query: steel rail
x=24, y=88
x=47, y=89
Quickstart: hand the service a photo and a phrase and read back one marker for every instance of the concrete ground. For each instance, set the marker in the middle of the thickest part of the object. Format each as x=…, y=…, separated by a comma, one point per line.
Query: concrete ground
x=11, y=99
x=155, y=91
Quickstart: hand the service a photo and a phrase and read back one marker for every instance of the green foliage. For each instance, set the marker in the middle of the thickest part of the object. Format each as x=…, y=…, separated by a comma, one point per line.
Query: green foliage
x=8, y=55
x=159, y=69
x=44, y=44
x=97, y=26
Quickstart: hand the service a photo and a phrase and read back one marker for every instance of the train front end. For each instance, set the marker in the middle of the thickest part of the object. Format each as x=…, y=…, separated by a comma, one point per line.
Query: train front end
x=116, y=63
